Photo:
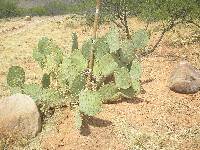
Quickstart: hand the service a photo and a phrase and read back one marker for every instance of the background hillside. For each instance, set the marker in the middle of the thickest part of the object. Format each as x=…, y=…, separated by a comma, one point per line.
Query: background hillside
x=13, y=8
x=36, y=3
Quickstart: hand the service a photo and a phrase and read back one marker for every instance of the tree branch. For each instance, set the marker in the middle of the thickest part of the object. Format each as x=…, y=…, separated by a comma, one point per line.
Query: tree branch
x=171, y=24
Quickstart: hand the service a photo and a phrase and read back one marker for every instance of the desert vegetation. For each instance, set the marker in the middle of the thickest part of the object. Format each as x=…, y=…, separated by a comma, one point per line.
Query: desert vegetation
x=97, y=74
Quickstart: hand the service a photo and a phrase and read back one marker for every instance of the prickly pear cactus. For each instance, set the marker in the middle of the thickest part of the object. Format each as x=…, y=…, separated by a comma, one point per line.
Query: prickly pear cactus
x=90, y=102
x=109, y=92
x=48, y=55
x=106, y=65
x=16, y=76
x=74, y=41
x=46, y=81
x=15, y=90
x=78, y=119
x=113, y=40
x=140, y=39
x=116, y=72
x=122, y=78
x=33, y=90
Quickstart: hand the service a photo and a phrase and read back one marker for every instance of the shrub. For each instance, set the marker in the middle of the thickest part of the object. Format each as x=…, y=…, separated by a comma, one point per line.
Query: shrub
x=8, y=9
x=37, y=11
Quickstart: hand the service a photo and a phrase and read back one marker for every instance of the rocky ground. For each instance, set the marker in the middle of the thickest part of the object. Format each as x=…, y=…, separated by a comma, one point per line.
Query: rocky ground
x=157, y=119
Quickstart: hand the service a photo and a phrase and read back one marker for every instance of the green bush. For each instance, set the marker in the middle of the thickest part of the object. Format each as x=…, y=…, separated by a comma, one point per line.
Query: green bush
x=38, y=11
x=35, y=11
x=8, y=9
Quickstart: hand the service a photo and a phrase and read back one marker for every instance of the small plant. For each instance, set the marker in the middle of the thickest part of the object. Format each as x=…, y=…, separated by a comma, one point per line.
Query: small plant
x=103, y=70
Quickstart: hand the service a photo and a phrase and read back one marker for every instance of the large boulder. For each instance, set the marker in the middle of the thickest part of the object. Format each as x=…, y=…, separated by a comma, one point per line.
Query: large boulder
x=19, y=117
x=185, y=78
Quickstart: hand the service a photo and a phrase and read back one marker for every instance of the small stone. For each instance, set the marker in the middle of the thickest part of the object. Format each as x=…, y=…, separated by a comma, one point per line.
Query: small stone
x=27, y=18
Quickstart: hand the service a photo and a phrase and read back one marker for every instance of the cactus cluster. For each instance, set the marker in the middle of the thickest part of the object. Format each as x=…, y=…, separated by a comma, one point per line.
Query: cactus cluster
x=49, y=57
x=116, y=71
x=118, y=60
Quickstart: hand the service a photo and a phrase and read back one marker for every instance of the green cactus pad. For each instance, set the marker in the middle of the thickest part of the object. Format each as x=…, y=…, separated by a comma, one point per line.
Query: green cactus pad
x=122, y=78
x=15, y=90
x=74, y=41
x=101, y=48
x=108, y=92
x=44, y=46
x=128, y=93
x=78, y=60
x=90, y=102
x=127, y=53
x=77, y=85
x=136, y=86
x=107, y=65
x=51, y=96
x=47, y=54
x=33, y=90
x=39, y=57
x=16, y=76
x=46, y=81
x=86, y=47
x=113, y=39
x=67, y=71
x=135, y=71
x=78, y=119
x=51, y=64
x=140, y=39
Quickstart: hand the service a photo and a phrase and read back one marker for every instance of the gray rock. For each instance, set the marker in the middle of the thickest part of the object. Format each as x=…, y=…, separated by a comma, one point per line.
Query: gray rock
x=19, y=117
x=185, y=78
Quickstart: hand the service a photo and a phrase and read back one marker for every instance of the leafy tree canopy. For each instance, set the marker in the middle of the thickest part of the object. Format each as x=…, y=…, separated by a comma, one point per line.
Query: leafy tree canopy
x=153, y=10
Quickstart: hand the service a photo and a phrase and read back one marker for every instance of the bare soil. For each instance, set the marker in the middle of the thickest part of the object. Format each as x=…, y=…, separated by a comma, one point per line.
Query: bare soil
x=156, y=119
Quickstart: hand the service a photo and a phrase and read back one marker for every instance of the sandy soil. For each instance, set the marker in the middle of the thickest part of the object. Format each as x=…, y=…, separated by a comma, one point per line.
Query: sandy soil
x=157, y=119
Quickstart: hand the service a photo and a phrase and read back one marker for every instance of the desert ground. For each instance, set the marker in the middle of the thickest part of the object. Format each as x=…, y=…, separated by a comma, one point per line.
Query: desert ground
x=156, y=119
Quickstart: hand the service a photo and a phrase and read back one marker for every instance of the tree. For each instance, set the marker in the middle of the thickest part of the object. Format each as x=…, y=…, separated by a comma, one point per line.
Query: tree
x=171, y=12
x=121, y=9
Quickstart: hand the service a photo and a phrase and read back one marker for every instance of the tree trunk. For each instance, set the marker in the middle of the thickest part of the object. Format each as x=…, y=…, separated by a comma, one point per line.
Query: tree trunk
x=89, y=84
